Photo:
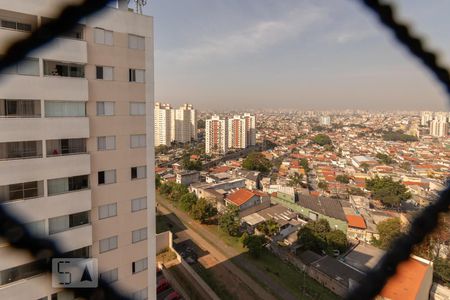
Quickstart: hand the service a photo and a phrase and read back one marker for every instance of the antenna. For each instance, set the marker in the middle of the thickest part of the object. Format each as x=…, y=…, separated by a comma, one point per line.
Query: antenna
x=139, y=5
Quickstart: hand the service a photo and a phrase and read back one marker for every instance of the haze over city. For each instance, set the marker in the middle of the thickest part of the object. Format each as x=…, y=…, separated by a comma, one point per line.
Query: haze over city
x=292, y=54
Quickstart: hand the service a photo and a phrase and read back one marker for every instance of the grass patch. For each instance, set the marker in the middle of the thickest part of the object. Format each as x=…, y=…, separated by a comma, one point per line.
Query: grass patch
x=163, y=224
x=165, y=256
x=218, y=287
x=229, y=240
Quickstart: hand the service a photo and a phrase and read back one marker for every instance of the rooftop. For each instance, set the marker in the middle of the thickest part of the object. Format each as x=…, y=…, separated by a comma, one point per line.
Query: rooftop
x=240, y=196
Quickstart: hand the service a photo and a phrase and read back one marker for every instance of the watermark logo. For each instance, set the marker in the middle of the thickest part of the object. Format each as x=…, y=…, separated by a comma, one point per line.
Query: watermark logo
x=74, y=273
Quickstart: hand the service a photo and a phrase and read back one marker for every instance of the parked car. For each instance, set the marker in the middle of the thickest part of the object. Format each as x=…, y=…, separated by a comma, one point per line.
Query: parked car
x=163, y=285
x=173, y=296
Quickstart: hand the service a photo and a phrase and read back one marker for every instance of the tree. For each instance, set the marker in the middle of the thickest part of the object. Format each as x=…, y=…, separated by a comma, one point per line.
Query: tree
x=188, y=201
x=343, y=178
x=161, y=149
x=254, y=244
x=255, y=161
x=390, y=192
x=305, y=165
x=388, y=230
x=322, y=185
x=322, y=139
x=398, y=136
x=336, y=240
x=317, y=236
x=406, y=166
x=229, y=221
x=309, y=240
x=178, y=191
x=442, y=270
x=269, y=227
x=203, y=210
x=365, y=167
x=295, y=179
x=165, y=189
x=201, y=124
x=189, y=164
x=385, y=159
x=356, y=191
x=157, y=181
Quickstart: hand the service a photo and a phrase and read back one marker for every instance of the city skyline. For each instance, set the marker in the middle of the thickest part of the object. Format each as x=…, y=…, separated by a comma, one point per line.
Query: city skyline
x=264, y=55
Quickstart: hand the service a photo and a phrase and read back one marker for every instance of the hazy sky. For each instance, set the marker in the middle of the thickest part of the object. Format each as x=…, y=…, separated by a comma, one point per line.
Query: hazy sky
x=304, y=54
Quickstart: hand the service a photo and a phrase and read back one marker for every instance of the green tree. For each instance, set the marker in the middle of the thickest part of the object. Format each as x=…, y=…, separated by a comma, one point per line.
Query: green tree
x=390, y=192
x=310, y=240
x=336, y=240
x=161, y=149
x=229, y=220
x=269, y=227
x=203, y=210
x=201, y=124
x=365, y=167
x=254, y=244
x=356, y=191
x=189, y=164
x=165, y=189
x=178, y=191
x=157, y=181
x=343, y=178
x=388, y=230
x=322, y=139
x=318, y=236
x=385, y=159
x=188, y=201
x=322, y=185
x=305, y=165
x=257, y=162
x=442, y=270
x=398, y=136
x=295, y=180
x=406, y=166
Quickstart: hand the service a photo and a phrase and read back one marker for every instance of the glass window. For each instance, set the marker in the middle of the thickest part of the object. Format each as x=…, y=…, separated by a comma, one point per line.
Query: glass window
x=23, y=271
x=102, y=36
x=20, y=108
x=55, y=68
x=107, y=177
x=36, y=228
x=139, y=265
x=139, y=235
x=138, y=204
x=137, y=108
x=107, y=211
x=137, y=141
x=67, y=184
x=108, y=244
x=105, y=108
x=65, y=147
x=105, y=73
x=136, y=75
x=110, y=276
x=65, y=109
x=17, y=150
x=136, y=42
x=106, y=143
x=140, y=295
x=21, y=191
x=63, y=223
x=138, y=172
x=27, y=66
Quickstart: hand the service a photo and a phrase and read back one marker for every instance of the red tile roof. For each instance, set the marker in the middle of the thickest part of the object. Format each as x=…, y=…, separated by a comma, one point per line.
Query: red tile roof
x=240, y=196
x=356, y=221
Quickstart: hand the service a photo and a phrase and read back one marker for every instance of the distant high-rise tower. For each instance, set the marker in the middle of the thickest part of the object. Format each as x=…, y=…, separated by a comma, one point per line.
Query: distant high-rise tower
x=237, y=133
x=438, y=128
x=441, y=116
x=216, y=136
x=426, y=117
x=250, y=127
x=163, y=124
x=325, y=120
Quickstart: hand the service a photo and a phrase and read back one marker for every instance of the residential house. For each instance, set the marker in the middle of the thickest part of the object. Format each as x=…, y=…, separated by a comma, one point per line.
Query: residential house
x=248, y=201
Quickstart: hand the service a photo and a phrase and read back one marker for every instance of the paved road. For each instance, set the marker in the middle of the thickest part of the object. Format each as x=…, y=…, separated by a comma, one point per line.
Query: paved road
x=225, y=252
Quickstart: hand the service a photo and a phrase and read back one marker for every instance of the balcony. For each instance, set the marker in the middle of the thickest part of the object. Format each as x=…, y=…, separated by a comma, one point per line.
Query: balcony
x=34, y=287
x=25, y=170
x=64, y=49
x=74, y=238
x=47, y=87
x=25, y=129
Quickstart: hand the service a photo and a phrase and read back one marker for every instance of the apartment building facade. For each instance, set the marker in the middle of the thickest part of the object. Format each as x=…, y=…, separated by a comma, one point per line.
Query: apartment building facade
x=250, y=127
x=216, y=135
x=237, y=133
x=163, y=124
x=76, y=162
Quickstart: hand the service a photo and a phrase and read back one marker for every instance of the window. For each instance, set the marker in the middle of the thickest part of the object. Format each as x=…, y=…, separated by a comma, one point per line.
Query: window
x=107, y=177
x=36, y=228
x=63, y=223
x=106, y=143
x=23, y=271
x=65, y=147
x=138, y=204
x=107, y=211
x=105, y=73
x=21, y=191
x=139, y=235
x=17, y=150
x=65, y=109
x=140, y=295
x=137, y=141
x=15, y=25
x=76, y=32
x=102, y=36
x=20, y=108
x=138, y=172
x=67, y=184
x=28, y=66
x=139, y=265
x=136, y=75
x=108, y=244
x=55, y=68
x=136, y=42
x=105, y=108
x=137, y=108
x=110, y=276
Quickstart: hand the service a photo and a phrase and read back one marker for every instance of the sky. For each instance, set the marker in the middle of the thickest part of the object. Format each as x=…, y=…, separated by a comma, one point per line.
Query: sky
x=294, y=54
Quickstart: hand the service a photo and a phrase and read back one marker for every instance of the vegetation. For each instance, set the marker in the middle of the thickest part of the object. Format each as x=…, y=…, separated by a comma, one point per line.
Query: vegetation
x=254, y=244
x=319, y=128
x=189, y=164
x=322, y=139
x=269, y=227
x=201, y=124
x=322, y=185
x=187, y=201
x=385, y=159
x=365, y=167
x=317, y=236
x=305, y=165
x=356, y=191
x=203, y=210
x=389, y=230
x=157, y=181
x=343, y=178
x=398, y=136
x=229, y=221
x=295, y=180
x=390, y=192
x=255, y=161
x=161, y=149
x=442, y=270
x=406, y=166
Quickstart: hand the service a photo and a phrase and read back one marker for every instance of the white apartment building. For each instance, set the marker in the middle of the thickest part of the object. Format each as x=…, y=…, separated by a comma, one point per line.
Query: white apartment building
x=325, y=120
x=441, y=116
x=179, y=125
x=163, y=124
x=250, y=127
x=438, y=128
x=237, y=133
x=426, y=117
x=76, y=153
x=216, y=135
